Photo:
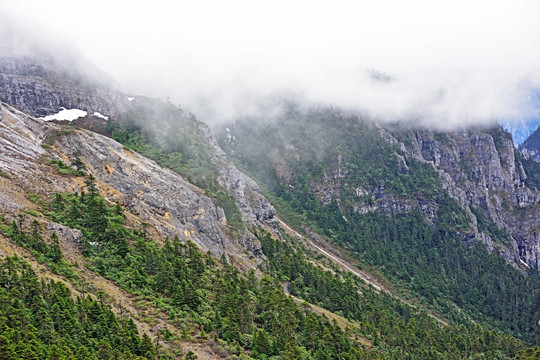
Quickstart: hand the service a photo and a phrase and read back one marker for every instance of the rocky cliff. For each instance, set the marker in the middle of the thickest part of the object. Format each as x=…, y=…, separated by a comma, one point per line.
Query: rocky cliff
x=355, y=163
x=531, y=147
x=169, y=205
x=41, y=85
x=480, y=170
x=255, y=208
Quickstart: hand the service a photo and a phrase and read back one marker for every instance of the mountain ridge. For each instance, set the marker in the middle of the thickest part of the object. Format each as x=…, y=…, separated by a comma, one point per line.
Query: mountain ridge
x=159, y=191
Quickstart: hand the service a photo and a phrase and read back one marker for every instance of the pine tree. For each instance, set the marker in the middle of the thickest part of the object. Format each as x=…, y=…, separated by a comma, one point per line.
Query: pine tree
x=54, y=251
x=77, y=162
x=147, y=349
x=261, y=343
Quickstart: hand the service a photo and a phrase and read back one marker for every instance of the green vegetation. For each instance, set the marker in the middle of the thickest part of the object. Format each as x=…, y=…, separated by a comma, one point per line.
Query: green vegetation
x=164, y=133
x=51, y=139
x=205, y=299
x=46, y=252
x=77, y=162
x=4, y=174
x=244, y=314
x=41, y=320
x=294, y=156
x=393, y=326
x=488, y=226
x=63, y=168
x=532, y=170
x=35, y=198
x=324, y=141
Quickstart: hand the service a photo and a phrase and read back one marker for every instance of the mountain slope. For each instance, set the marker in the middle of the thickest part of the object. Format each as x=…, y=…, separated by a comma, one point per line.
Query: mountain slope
x=128, y=255
x=414, y=203
x=100, y=235
x=96, y=214
x=531, y=146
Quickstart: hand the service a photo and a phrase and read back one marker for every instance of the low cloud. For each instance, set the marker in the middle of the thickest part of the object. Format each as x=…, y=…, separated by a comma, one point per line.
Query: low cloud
x=445, y=65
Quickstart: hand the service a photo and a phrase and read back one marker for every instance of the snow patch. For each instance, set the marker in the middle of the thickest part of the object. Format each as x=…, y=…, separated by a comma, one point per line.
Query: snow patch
x=130, y=99
x=66, y=114
x=100, y=115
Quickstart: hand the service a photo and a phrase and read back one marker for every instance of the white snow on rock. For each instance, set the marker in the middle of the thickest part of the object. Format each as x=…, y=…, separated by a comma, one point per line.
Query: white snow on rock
x=66, y=114
x=130, y=98
x=100, y=115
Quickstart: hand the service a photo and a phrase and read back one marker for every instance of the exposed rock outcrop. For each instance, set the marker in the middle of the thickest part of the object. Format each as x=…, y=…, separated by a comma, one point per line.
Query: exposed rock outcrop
x=253, y=206
x=72, y=235
x=41, y=85
x=479, y=170
x=148, y=190
x=157, y=196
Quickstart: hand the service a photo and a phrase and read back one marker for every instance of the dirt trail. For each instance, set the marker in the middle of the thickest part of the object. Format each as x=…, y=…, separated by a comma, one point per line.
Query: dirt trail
x=342, y=263
x=349, y=267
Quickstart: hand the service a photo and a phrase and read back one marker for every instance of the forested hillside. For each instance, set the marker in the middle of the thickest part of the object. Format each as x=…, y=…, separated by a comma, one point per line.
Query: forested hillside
x=108, y=255
x=337, y=174
x=205, y=299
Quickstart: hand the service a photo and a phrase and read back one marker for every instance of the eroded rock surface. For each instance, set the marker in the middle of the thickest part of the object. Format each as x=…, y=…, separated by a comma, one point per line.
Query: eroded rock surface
x=479, y=170
x=155, y=195
x=41, y=85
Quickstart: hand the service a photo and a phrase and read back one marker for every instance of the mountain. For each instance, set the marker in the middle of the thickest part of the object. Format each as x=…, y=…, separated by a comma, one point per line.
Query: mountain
x=521, y=130
x=531, y=147
x=358, y=163
x=436, y=212
x=132, y=233
x=42, y=85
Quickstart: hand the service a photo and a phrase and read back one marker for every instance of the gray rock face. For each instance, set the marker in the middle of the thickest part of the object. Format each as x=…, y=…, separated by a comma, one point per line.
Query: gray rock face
x=479, y=169
x=40, y=85
x=373, y=199
x=20, y=139
x=157, y=195
x=531, y=153
x=72, y=235
x=253, y=206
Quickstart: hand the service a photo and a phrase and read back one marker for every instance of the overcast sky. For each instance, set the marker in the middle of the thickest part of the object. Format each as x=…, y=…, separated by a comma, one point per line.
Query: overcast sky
x=452, y=62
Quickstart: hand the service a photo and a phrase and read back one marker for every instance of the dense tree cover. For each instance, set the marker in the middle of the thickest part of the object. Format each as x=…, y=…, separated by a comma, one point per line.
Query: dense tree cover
x=248, y=315
x=439, y=264
x=47, y=252
x=292, y=155
x=166, y=134
x=42, y=320
x=256, y=316
x=395, y=327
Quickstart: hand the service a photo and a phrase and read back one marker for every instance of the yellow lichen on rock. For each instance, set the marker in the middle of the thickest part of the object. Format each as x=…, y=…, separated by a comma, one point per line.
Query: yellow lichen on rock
x=108, y=168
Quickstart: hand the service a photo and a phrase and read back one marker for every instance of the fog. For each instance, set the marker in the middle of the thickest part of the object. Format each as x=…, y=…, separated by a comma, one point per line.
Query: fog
x=442, y=64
